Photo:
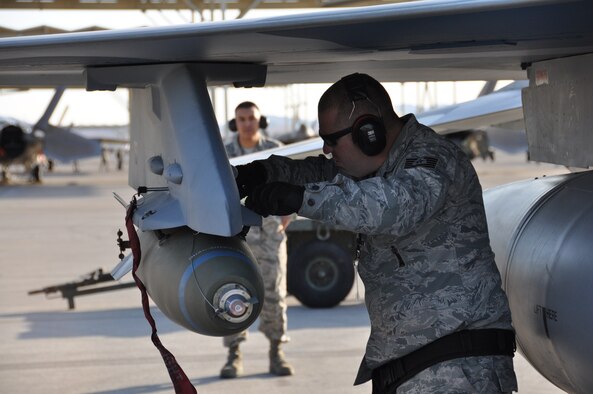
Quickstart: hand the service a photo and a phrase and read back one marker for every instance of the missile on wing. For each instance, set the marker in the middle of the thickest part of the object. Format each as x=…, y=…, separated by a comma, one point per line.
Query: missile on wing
x=544, y=250
x=208, y=284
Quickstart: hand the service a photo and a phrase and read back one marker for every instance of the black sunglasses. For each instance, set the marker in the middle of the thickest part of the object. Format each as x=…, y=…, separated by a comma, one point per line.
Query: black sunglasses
x=331, y=139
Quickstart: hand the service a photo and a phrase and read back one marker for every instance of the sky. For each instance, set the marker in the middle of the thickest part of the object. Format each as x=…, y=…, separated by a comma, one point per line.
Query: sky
x=79, y=107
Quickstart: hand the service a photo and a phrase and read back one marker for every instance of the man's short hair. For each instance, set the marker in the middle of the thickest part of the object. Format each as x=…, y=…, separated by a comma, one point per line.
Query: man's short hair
x=337, y=97
x=246, y=105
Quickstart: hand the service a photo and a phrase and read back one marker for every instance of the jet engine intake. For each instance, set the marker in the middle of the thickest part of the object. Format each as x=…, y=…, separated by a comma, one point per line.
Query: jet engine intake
x=208, y=284
x=12, y=143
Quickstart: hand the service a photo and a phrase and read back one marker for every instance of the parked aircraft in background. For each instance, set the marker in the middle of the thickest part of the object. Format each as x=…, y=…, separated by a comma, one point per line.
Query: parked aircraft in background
x=493, y=120
x=32, y=145
x=114, y=140
x=194, y=265
x=105, y=134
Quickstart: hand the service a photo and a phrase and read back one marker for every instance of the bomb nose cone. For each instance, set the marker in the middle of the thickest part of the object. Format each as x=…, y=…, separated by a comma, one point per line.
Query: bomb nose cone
x=208, y=284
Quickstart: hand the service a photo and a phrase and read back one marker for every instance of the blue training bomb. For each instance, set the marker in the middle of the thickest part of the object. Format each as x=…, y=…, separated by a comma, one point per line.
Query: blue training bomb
x=208, y=284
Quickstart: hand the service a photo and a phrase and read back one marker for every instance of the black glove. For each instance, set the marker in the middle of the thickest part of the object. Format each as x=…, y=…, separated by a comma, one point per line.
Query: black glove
x=249, y=176
x=275, y=198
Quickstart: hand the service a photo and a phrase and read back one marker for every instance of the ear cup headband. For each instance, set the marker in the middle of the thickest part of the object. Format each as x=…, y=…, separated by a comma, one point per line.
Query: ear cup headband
x=263, y=123
x=368, y=131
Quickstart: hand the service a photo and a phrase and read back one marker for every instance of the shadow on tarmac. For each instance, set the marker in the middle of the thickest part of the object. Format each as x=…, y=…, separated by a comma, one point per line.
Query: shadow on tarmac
x=199, y=382
x=42, y=191
x=137, y=390
x=130, y=322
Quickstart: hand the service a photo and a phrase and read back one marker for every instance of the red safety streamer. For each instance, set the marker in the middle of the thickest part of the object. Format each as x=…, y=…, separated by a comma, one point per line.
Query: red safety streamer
x=180, y=380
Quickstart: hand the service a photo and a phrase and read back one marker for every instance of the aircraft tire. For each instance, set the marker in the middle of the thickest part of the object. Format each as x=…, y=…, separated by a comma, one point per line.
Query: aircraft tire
x=320, y=274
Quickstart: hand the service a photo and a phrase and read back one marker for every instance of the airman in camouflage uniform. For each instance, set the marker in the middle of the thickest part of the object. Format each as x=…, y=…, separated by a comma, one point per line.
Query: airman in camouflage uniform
x=424, y=252
x=268, y=245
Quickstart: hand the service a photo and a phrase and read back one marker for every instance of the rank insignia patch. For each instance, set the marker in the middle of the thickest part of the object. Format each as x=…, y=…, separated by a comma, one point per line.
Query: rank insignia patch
x=427, y=162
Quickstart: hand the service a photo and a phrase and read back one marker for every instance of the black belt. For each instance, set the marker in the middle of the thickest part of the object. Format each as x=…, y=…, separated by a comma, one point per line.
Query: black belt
x=467, y=343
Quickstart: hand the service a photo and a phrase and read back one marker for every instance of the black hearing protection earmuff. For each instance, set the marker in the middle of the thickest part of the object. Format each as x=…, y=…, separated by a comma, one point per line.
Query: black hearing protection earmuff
x=263, y=123
x=368, y=131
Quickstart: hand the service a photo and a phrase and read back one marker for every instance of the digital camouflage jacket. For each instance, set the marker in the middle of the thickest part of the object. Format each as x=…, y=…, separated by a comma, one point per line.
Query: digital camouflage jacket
x=425, y=256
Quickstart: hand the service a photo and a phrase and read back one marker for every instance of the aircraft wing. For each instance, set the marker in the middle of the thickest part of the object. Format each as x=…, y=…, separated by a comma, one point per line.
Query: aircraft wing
x=63, y=145
x=499, y=107
x=112, y=135
x=499, y=114
x=437, y=40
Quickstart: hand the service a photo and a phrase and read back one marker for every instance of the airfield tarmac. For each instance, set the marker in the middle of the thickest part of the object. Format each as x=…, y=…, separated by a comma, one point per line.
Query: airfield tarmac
x=58, y=231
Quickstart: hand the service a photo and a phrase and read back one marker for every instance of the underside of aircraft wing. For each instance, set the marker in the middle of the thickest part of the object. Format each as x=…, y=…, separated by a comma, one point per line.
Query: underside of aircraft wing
x=440, y=40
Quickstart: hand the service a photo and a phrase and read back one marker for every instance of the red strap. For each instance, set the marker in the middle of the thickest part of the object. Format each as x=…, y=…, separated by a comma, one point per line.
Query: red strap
x=178, y=377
